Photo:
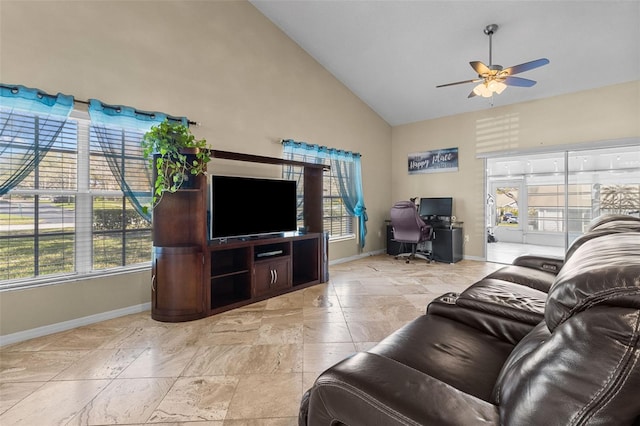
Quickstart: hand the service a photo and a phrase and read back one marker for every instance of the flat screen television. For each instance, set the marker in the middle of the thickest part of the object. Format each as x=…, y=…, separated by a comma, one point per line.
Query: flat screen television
x=442, y=206
x=242, y=206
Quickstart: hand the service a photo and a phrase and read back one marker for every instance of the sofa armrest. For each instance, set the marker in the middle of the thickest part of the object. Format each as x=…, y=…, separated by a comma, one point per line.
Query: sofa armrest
x=543, y=263
x=369, y=389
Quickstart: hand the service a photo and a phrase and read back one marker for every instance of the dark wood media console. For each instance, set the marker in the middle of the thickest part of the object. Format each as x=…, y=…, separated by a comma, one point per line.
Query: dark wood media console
x=193, y=277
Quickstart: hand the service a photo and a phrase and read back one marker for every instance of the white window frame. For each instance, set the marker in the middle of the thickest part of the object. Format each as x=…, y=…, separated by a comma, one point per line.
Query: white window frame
x=83, y=232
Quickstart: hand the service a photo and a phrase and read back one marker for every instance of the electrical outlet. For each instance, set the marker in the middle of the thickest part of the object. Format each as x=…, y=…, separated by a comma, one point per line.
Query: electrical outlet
x=379, y=234
x=466, y=238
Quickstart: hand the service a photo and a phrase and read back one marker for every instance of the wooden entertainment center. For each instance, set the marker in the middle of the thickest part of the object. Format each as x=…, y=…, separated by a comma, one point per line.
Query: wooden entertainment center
x=193, y=277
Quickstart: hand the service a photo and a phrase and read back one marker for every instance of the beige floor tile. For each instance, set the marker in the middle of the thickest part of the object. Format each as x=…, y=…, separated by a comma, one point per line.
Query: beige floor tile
x=192, y=399
x=100, y=364
x=245, y=359
x=286, y=421
x=240, y=317
x=12, y=393
x=286, y=301
x=139, y=320
x=229, y=334
x=36, y=366
x=53, y=403
x=124, y=401
x=279, y=334
x=251, y=401
x=373, y=331
x=284, y=315
x=320, y=356
x=204, y=423
x=187, y=334
x=326, y=314
x=320, y=331
x=159, y=362
x=141, y=337
x=363, y=300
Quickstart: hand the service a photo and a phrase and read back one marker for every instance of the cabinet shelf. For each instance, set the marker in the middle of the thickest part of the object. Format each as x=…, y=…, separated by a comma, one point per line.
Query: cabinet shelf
x=229, y=274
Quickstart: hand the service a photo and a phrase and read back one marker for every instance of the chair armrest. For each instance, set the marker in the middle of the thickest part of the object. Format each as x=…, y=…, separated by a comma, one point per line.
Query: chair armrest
x=543, y=263
x=426, y=232
x=369, y=389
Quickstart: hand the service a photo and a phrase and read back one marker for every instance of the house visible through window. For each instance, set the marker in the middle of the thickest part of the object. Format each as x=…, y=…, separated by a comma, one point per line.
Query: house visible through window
x=69, y=215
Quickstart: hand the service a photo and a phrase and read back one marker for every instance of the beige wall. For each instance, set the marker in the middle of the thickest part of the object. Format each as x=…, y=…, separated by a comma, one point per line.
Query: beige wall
x=603, y=114
x=222, y=64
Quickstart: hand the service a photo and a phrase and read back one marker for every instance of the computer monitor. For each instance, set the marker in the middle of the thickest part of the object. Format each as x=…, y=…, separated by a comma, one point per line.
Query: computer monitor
x=441, y=206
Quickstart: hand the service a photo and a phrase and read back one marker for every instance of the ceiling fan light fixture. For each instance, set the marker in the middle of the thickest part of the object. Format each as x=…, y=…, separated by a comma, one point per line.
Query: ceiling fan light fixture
x=494, y=77
x=482, y=90
x=497, y=86
x=486, y=90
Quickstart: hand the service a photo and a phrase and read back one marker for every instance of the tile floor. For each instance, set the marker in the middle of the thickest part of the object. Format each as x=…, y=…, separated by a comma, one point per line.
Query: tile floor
x=249, y=366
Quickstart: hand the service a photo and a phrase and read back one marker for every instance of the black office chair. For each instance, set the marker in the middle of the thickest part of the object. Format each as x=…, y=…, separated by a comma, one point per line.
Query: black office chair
x=409, y=229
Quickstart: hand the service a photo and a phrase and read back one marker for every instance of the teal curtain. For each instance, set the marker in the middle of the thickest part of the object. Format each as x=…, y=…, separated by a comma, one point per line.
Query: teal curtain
x=348, y=169
x=118, y=130
x=30, y=122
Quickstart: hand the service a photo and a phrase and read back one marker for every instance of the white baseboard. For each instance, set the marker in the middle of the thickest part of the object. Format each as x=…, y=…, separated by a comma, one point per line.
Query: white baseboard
x=356, y=257
x=68, y=325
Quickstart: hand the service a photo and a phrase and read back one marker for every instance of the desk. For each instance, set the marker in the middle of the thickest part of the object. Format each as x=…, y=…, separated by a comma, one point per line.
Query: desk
x=446, y=244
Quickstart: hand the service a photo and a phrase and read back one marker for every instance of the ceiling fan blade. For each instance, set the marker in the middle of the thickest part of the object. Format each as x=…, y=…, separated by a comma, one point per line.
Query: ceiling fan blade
x=479, y=67
x=518, y=81
x=460, y=82
x=471, y=95
x=525, y=67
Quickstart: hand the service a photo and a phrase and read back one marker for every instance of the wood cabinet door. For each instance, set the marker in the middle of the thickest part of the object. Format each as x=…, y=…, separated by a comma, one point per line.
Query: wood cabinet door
x=177, y=290
x=272, y=275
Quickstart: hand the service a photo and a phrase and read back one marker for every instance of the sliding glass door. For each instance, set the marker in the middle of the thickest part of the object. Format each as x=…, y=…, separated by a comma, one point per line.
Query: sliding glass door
x=538, y=204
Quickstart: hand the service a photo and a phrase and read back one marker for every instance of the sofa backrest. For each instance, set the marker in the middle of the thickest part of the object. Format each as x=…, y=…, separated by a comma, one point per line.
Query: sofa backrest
x=581, y=365
x=604, y=219
x=604, y=225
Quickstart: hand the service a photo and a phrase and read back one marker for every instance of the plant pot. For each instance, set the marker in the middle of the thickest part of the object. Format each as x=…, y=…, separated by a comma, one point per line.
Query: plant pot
x=188, y=181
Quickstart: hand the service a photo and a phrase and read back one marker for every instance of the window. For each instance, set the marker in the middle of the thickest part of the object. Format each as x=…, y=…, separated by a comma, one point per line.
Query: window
x=68, y=216
x=343, y=199
x=336, y=220
x=555, y=195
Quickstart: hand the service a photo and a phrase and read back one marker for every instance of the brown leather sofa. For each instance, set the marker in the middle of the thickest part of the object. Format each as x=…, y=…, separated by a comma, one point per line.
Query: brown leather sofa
x=540, y=342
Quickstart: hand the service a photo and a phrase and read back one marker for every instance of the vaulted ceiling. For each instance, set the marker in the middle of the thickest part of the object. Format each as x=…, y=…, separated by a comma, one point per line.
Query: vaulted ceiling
x=393, y=53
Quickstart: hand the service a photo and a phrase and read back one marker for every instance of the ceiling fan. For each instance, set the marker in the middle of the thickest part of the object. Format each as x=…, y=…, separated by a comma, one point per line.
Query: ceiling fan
x=493, y=78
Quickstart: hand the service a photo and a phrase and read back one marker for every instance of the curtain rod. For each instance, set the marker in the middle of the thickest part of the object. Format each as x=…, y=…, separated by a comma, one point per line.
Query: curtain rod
x=194, y=123
x=322, y=147
x=13, y=87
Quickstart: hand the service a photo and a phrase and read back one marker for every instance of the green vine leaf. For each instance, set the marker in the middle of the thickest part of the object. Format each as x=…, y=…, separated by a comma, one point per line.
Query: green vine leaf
x=162, y=146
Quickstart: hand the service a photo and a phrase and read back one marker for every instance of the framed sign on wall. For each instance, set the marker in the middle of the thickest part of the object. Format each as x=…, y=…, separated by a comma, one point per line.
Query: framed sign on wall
x=440, y=160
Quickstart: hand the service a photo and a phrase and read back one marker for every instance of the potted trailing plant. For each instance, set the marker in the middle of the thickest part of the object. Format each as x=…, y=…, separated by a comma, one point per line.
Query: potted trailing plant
x=176, y=155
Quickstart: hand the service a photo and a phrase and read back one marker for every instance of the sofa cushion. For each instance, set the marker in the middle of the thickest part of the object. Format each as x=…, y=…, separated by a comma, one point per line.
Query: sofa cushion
x=453, y=353
x=368, y=389
x=534, y=278
x=506, y=329
x=604, y=270
x=506, y=299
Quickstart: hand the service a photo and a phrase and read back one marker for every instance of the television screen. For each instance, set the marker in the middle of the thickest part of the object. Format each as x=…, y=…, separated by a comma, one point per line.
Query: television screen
x=442, y=206
x=241, y=206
